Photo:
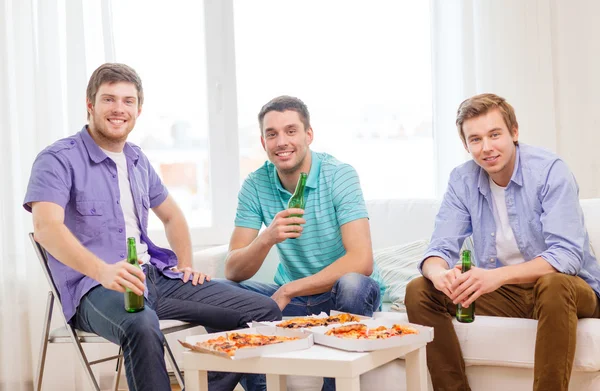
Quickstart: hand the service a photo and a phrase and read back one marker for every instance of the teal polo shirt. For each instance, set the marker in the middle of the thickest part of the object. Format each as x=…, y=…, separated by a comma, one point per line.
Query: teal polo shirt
x=333, y=198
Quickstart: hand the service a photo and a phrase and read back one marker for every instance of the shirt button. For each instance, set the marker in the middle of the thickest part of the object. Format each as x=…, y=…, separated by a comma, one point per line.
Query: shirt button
x=491, y=260
x=93, y=211
x=118, y=202
x=114, y=176
x=120, y=230
x=72, y=142
x=122, y=255
x=493, y=234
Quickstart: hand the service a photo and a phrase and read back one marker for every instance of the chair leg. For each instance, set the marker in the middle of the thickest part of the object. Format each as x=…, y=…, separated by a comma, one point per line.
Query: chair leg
x=83, y=357
x=44, y=345
x=120, y=360
x=173, y=363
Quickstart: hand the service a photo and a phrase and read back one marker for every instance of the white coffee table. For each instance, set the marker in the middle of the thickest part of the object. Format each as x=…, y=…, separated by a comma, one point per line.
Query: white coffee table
x=345, y=367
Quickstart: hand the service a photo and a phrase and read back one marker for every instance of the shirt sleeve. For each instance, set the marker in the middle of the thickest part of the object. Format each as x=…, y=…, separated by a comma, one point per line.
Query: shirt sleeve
x=157, y=191
x=562, y=220
x=50, y=181
x=249, y=212
x=347, y=196
x=452, y=226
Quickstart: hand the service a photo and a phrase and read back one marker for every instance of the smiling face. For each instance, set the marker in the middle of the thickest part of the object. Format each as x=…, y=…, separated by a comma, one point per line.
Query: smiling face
x=113, y=114
x=286, y=141
x=492, y=145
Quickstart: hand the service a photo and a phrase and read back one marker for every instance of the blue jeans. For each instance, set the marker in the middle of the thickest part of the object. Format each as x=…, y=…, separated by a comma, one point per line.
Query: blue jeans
x=213, y=304
x=354, y=293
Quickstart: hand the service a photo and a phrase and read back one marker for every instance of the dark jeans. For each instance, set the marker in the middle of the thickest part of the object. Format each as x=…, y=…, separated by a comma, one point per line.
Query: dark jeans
x=354, y=293
x=213, y=304
x=556, y=300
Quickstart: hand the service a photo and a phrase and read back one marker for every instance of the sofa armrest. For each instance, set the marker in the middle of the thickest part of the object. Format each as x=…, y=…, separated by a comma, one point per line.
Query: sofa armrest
x=211, y=261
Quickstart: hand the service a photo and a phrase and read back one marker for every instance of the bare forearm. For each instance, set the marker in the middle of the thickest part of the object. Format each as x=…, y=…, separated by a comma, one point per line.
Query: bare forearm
x=324, y=280
x=525, y=272
x=178, y=235
x=243, y=263
x=432, y=266
x=64, y=246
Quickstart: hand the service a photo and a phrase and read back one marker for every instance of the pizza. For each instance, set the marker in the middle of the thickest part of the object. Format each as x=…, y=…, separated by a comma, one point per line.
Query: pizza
x=232, y=342
x=312, y=321
x=361, y=331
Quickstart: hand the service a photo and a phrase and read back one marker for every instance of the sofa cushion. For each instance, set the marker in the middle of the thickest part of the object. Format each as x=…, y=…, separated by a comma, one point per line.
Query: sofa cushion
x=397, y=266
x=498, y=341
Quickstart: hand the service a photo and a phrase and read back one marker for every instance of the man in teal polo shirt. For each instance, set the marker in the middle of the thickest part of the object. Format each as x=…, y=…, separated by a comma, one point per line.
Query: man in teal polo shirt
x=326, y=259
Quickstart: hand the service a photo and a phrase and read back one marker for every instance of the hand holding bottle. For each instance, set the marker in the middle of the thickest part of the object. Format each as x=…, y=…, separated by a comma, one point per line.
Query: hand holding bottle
x=284, y=226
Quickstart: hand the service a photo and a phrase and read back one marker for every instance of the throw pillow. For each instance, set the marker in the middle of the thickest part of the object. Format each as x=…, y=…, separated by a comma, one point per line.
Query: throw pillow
x=397, y=266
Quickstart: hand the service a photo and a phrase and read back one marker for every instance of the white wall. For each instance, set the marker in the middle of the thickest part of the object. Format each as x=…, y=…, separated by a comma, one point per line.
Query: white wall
x=576, y=63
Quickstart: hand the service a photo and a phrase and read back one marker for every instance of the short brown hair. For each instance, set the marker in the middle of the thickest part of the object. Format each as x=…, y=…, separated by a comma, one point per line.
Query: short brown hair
x=482, y=104
x=283, y=103
x=113, y=73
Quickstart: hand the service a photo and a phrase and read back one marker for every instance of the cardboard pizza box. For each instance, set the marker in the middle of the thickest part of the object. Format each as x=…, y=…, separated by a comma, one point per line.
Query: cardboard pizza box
x=321, y=315
x=425, y=334
x=304, y=341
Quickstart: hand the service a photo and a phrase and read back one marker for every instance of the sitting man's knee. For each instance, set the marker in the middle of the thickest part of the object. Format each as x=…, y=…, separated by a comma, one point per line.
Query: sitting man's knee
x=553, y=285
x=356, y=282
x=356, y=293
x=142, y=325
x=415, y=290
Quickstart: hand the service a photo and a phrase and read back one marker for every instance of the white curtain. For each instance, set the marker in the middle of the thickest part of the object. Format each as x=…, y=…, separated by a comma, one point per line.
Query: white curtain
x=43, y=76
x=541, y=55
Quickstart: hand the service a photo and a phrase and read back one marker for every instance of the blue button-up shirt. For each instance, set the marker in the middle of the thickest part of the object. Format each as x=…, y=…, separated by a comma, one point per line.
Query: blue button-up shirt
x=77, y=175
x=542, y=200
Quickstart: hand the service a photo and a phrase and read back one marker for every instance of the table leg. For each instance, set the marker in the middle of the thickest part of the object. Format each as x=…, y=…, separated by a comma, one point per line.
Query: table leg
x=347, y=383
x=196, y=380
x=276, y=383
x=416, y=370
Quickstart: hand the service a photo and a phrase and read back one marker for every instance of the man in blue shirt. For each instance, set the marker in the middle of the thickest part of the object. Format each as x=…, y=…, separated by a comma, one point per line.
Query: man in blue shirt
x=533, y=257
x=326, y=255
x=88, y=193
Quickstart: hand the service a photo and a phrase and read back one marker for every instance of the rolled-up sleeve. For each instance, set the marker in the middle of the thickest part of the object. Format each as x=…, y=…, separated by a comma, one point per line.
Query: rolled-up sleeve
x=50, y=181
x=452, y=226
x=562, y=220
x=249, y=212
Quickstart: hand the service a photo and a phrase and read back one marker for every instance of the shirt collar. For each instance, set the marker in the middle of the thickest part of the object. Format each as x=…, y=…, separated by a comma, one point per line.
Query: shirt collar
x=313, y=176
x=97, y=155
x=517, y=176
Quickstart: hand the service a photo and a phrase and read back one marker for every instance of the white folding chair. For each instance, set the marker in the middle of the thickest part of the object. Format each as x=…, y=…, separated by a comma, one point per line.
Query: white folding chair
x=68, y=334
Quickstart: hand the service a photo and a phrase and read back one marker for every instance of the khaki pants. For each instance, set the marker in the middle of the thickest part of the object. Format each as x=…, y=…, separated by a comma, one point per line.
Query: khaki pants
x=556, y=300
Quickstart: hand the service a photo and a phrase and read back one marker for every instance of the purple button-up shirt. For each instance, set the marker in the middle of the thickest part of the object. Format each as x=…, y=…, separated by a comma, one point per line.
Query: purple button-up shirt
x=77, y=175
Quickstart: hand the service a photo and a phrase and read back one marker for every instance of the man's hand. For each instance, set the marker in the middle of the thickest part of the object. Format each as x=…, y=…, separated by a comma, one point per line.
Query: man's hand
x=284, y=227
x=281, y=297
x=467, y=287
x=197, y=277
x=444, y=279
x=121, y=275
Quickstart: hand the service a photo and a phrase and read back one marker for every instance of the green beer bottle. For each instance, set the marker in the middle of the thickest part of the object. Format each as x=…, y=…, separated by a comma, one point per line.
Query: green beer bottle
x=466, y=315
x=297, y=200
x=133, y=302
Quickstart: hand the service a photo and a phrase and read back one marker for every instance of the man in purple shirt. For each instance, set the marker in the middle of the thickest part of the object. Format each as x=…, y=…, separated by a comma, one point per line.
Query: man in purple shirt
x=88, y=193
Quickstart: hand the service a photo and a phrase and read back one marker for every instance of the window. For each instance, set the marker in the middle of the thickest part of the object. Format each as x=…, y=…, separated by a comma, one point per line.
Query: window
x=363, y=69
x=208, y=67
x=168, y=53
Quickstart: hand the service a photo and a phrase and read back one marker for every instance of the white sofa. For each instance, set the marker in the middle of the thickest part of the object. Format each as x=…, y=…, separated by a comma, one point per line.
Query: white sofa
x=498, y=351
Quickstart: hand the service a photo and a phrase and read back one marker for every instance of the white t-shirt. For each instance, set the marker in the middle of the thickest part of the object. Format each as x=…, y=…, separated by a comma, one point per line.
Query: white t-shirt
x=506, y=246
x=132, y=228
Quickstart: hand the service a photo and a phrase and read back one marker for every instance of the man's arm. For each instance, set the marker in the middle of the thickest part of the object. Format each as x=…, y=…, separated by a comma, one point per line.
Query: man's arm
x=178, y=235
x=356, y=237
x=51, y=232
x=248, y=249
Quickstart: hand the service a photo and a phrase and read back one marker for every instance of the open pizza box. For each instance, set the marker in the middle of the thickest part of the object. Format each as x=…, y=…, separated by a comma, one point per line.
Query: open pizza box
x=425, y=334
x=304, y=341
x=321, y=315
